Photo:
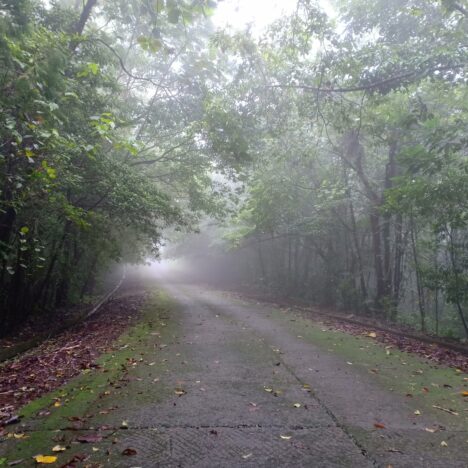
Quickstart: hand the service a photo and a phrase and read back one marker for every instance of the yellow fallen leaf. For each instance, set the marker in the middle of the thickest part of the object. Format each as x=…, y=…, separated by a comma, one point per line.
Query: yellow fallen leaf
x=297, y=405
x=444, y=444
x=417, y=412
x=429, y=429
x=95, y=449
x=19, y=436
x=372, y=335
x=124, y=425
x=59, y=448
x=269, y=390
x=284, y=437
x=57, y=404
x=465, y=394
x=45, y=459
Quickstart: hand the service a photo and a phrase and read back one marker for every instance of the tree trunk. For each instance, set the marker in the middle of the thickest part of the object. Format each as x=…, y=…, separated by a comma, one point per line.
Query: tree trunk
x=84, y=17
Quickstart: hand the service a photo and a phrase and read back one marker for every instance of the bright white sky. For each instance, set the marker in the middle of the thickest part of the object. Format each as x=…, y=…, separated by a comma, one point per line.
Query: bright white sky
x=261, y=13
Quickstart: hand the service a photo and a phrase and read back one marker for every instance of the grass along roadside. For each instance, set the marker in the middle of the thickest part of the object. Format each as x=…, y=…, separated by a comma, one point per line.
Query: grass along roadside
x=59, y=418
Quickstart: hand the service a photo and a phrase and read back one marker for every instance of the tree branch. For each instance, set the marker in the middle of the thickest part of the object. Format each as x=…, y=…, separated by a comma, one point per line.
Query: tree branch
x=371, y=86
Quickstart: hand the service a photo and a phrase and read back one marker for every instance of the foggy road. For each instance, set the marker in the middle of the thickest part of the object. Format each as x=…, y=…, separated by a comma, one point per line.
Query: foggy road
x=208, y=380
x=251, y=392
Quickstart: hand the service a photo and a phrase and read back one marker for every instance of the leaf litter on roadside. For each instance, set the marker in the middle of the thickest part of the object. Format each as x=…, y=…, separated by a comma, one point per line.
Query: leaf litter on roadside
x=57, y=360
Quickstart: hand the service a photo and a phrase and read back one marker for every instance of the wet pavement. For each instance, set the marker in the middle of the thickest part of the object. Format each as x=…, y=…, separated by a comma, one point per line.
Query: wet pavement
x=235, y=387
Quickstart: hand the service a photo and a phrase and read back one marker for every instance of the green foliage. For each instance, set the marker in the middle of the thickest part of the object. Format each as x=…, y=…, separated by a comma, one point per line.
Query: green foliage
x=356, y=129
x=78, y=158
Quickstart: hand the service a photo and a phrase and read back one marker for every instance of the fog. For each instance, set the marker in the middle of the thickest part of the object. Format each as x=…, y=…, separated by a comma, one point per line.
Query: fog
x=309, y=150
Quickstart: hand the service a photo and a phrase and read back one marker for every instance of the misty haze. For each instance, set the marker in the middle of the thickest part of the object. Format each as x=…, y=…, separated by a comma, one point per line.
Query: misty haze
x=234, y=233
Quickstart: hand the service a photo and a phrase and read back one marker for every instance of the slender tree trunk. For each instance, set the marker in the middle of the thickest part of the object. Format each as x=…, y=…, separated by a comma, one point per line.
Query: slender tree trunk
x=377, y=253
x=422, y=309
x=261, y=262
x=357, y=248
x=390, y=173
x=398, y=261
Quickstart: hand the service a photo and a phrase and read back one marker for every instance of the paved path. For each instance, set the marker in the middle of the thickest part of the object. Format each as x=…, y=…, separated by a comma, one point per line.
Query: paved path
x=240, y=374
x=231, y=354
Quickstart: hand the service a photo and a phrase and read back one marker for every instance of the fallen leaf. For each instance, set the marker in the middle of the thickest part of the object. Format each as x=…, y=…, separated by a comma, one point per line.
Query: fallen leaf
x=248, y=455
x=372, y=335
x=444, y=444
x=78, y=458
x=284, y=437
x=45, y=459
x=180, y=391
x=21, y=435
x=129, y=452
x=59, y=448
x=89, y=439
x=269, y=390
x=16, y=462
x=379, y=426
x=124, y=425
x=429, y=429
x=297, y=405
x=13, y=420
x=465, y=394
x=417, y=413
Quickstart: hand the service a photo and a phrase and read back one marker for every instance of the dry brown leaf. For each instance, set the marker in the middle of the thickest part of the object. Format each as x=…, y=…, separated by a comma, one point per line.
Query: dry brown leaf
x=129, y=452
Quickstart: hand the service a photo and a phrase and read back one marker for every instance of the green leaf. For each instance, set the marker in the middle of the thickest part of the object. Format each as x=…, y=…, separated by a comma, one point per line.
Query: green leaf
x=24, y=230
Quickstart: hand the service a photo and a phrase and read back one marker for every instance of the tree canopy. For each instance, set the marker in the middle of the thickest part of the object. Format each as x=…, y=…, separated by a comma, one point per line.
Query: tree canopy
x=331, y=150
